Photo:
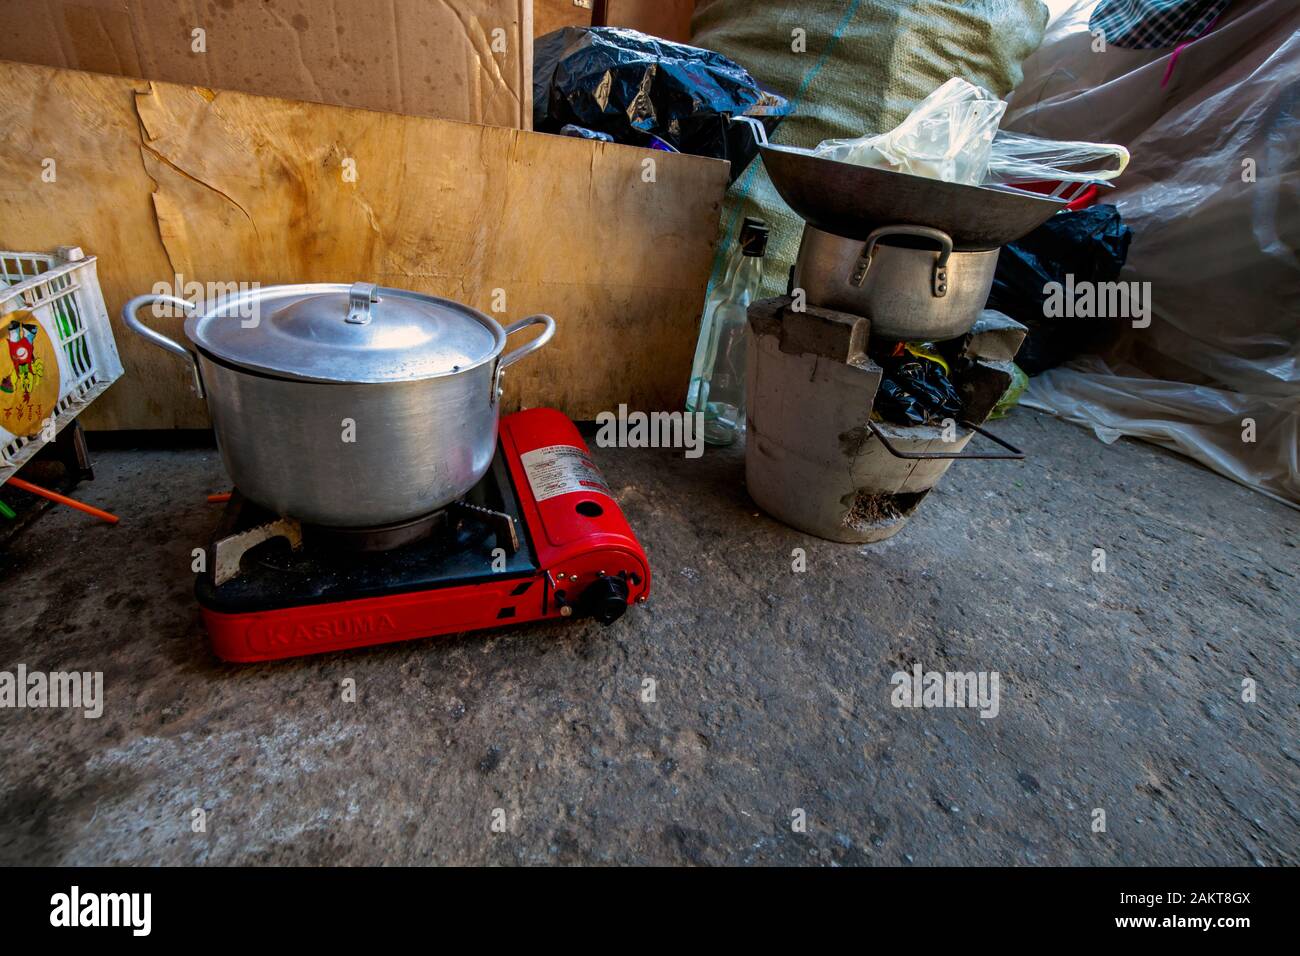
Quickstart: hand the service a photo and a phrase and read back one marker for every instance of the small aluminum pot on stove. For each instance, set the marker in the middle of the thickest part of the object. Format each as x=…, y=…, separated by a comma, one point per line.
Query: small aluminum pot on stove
x=348, y=406
x=909, y=293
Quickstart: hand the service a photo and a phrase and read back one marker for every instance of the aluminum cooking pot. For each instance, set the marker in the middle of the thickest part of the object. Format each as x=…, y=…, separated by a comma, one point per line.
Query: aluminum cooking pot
x=348, y=406
x=911, y=292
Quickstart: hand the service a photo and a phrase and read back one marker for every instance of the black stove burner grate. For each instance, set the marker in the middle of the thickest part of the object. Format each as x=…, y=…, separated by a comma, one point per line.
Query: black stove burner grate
x=454, y=546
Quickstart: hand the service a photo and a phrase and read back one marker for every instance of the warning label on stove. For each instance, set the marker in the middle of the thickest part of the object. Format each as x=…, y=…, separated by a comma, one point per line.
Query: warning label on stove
x=561, y=470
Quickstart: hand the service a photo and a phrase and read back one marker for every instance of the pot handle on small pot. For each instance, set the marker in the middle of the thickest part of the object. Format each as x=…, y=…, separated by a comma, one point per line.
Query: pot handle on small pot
x=157, y=338
x=939, y=278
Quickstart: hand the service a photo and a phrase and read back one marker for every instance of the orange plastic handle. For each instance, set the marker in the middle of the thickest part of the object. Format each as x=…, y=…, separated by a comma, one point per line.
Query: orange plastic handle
x=63, y=500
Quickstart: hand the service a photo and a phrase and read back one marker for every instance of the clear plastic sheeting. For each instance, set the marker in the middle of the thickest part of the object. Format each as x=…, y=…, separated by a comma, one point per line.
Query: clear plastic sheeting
x=952, y=135
x=1209, y=425
x=1213, y=198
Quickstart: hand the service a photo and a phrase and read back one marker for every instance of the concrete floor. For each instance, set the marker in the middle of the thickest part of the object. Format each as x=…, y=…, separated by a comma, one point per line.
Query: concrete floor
x=1119, y=691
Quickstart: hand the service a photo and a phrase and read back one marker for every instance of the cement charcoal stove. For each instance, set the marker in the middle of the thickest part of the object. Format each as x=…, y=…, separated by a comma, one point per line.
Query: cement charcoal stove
x=903, y=259
x=814, y=456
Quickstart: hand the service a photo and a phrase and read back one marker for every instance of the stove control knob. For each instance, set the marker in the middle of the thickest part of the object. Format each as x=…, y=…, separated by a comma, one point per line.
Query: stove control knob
x=565, y=608
x=605, y=599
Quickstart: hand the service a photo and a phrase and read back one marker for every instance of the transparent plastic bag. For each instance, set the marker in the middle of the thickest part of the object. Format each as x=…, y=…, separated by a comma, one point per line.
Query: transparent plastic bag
x=1018, y=158
x=947, y=137
x=953, y=135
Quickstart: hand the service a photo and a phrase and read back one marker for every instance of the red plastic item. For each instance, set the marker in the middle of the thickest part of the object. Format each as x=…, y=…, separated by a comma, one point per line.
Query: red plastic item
x=577, y=534
x=1081, y=201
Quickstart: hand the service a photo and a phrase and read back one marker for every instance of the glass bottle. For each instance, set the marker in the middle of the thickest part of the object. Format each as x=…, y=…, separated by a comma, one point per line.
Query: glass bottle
x=718, y=373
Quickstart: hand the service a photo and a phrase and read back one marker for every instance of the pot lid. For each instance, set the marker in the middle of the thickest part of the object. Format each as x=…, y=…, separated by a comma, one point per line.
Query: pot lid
x=340, y=333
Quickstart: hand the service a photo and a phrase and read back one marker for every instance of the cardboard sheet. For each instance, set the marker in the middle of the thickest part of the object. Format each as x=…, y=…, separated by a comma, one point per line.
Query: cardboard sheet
x=468, y=60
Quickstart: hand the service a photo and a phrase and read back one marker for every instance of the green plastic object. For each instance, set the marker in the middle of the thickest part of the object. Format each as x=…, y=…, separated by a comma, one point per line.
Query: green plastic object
x=1019, y=382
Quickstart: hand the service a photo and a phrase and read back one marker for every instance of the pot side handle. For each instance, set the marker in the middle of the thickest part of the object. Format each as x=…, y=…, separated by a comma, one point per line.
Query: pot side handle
x=939, y=279
x=133, y=322
x=510, y=358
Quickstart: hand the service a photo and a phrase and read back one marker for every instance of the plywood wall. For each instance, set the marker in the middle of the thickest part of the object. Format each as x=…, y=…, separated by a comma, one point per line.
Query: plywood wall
x=159, y=179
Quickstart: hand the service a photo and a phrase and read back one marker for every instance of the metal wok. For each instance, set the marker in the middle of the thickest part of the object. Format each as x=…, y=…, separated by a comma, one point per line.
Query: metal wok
x=852, y=201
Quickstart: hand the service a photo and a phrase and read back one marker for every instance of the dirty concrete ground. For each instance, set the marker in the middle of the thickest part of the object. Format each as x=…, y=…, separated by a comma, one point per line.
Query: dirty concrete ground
x=1120, y=691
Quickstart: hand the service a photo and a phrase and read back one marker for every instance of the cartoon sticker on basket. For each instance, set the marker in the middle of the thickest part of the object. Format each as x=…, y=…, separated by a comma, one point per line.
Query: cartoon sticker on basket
x=29, y=379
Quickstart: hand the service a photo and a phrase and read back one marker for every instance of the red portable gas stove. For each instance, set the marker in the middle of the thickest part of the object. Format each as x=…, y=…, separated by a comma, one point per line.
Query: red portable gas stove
x=538, y=537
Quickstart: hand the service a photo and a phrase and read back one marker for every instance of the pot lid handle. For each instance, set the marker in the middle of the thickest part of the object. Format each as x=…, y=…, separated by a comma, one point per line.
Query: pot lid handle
x=360, y=298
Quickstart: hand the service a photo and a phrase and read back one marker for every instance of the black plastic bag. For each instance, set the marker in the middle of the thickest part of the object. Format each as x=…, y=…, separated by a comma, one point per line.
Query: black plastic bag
x=914, y=388
x=895, y=404
x=637, y=87
x=581, y=132
x=1089, y=244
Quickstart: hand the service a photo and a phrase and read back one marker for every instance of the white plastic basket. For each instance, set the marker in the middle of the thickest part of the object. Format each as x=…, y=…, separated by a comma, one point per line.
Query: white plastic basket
x=61, y=292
